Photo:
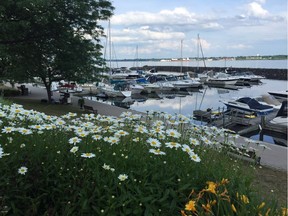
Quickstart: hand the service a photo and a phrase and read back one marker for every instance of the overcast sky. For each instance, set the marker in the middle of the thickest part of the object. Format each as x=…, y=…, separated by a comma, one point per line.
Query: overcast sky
x=225, y=27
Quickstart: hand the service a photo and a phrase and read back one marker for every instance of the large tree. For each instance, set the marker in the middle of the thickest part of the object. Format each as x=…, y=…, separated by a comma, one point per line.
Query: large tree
x=51, y=39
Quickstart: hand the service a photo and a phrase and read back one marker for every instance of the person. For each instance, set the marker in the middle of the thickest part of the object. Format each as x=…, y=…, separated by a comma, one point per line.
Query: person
x=81, y=102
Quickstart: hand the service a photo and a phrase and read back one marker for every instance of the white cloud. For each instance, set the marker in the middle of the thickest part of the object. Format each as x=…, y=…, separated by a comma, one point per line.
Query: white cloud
x=255, y=9
x=239, y=46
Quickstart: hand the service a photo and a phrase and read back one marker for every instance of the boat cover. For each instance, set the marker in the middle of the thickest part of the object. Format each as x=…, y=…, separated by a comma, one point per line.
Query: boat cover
x=253, y=104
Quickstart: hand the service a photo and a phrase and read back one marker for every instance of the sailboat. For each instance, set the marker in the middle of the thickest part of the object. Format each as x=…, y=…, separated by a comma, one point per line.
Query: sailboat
x=105, y=87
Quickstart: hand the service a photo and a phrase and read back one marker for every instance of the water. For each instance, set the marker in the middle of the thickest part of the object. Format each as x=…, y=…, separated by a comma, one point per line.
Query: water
x=208, y=97
x=278, y=64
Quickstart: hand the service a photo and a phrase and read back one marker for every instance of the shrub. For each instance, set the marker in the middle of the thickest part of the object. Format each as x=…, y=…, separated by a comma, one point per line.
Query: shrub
x=102, y=165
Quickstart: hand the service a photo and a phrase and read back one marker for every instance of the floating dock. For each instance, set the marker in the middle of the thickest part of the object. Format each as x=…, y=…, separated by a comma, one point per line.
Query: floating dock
x=238, y=122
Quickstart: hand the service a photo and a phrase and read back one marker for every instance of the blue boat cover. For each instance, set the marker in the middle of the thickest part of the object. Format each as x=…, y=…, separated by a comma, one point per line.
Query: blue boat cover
x=253, y=104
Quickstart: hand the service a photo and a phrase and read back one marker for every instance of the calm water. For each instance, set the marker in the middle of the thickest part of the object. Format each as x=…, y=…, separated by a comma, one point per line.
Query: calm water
x=279, y=64
x=208, y=97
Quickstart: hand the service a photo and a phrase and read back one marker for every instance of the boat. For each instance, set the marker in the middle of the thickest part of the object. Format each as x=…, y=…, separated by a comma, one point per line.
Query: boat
x=221, y=79
x=114, y=90
x=279, y=95
x=248, y=105
x=281, y=118
x=66, y=87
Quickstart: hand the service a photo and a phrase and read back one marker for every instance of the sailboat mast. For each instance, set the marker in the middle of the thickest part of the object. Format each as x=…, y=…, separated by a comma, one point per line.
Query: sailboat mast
x=110, y=45
x=200, y=46
x=181, y=56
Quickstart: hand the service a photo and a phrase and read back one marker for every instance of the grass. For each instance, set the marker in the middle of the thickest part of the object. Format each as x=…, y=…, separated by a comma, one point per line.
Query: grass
x=105, y=166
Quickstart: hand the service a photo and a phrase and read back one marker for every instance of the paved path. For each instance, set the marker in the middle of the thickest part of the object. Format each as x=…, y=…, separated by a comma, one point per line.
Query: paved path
x=39, y=93
x=274, y=156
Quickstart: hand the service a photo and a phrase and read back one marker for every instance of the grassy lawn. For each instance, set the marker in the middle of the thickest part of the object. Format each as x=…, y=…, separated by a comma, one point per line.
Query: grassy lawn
x=50, y=109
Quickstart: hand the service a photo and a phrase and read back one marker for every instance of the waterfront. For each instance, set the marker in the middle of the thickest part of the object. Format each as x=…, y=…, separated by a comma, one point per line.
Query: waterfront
x=186, y=102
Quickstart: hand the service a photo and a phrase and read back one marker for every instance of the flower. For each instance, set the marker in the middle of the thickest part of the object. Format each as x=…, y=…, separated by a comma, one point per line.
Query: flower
x=1, y=152
x=97, y=137
x=22, y=170
x=191, y=206
x=106, y=167
x=194, y=141
x=74, y=149
x=172, y=145
x=211, y=187
x=154, y=142
x=233, y=208
x=121, y=133
x=244, y=199
x=74, y=140
x=113, y=140
x=7, y=129
x=194, y=157
x=187, y=149
x=122, y=177
x=157, y=152
x=173, y=133
x=87, y=155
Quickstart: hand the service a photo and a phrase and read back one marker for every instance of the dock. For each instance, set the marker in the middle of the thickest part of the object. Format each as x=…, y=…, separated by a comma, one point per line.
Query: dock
x=238, y=122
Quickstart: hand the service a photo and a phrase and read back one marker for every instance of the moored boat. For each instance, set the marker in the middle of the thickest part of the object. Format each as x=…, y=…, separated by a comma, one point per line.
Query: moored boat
x=279, y=95
x=221, y=79
x=248, y=105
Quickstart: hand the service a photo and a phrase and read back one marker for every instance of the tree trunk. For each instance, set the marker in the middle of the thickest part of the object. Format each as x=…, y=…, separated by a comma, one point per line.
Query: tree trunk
x=48, y=90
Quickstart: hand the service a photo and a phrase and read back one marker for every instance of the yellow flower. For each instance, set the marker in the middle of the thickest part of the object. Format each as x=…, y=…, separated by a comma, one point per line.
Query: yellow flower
x=267, y=213
x=183, y=213
x=233, y=208
x=284, y=211
x=212, y=187
x=190, y=206
x=224, y=181
x=206, y=207
x=244, y=199
x=261, y=205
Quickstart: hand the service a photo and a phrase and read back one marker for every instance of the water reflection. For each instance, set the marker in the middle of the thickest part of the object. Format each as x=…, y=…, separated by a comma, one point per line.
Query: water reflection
x=185, y=102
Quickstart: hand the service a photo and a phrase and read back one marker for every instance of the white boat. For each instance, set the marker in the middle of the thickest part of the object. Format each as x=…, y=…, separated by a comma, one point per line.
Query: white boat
x=221, y=79
x=160, y=81
x=248, y=105
x=136, y=88
x=281, y=119
x=113, y=90
x=279, y=95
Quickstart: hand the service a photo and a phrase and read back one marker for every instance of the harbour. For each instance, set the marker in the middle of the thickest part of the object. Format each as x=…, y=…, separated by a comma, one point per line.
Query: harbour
x=206, y=98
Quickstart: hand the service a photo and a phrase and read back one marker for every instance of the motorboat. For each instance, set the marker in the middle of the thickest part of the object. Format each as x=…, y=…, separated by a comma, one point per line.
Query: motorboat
x=114, y=90
x=66, y=87
x=161, y=81
x=221, y=79
x=248, y=105
x=281, y=118
x=279, y=95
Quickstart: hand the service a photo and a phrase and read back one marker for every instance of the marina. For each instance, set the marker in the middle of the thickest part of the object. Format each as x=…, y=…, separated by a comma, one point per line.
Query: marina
x=195, y=103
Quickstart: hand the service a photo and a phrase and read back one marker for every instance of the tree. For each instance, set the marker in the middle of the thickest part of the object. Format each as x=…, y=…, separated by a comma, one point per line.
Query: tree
x=51, y=39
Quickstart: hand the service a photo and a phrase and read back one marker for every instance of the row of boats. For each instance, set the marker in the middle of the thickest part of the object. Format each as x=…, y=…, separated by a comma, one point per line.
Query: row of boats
x=124, y=83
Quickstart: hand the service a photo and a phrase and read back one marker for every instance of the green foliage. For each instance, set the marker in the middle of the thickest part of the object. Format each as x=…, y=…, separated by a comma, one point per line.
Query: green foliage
x=52, y=40
x=101, y=165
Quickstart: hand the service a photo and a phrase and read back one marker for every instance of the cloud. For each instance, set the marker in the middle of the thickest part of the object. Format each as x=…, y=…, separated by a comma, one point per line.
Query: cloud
x=179, y=16
x=255, y=9
x=239, y=46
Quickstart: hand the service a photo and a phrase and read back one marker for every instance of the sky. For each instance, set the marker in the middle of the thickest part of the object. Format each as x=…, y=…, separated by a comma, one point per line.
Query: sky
x=170, y=28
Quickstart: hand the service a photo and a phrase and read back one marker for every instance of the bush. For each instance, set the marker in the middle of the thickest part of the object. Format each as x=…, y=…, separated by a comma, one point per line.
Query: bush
x=101, y=165
x=9, y=92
